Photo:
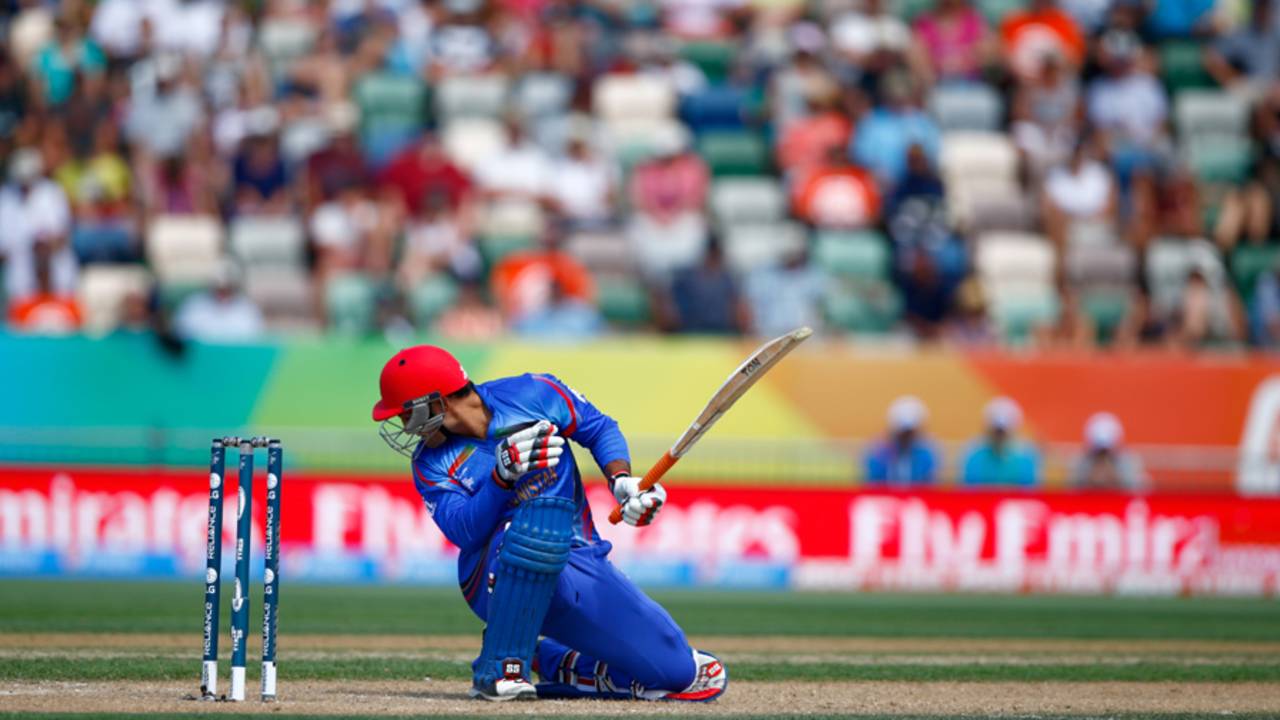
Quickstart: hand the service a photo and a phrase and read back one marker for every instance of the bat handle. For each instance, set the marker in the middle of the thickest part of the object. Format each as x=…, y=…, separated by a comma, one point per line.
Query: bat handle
x=651, y=478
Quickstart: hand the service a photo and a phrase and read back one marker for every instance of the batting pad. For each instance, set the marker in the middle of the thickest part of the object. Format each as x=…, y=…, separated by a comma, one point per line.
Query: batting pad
x=534, y=551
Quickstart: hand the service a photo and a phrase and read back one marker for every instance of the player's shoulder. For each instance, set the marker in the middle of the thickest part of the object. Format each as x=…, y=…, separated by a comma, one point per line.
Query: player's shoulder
x=524, y=384
x=434, y=462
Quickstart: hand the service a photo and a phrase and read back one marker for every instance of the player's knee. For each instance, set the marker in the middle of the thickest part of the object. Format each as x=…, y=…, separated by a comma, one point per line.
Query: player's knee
x=538, y=539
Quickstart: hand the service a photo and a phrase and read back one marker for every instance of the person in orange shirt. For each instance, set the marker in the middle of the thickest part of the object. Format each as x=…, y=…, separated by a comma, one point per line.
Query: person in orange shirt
x=837, y=194
x=1042, y=28
x=45, y=312
x=523, y=281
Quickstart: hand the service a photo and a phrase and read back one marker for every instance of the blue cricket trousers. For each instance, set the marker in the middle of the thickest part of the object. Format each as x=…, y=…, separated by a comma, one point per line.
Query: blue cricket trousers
x=602, y=633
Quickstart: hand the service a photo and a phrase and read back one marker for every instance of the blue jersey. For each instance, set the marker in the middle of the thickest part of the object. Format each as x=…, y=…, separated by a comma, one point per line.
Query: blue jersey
x=455, y=478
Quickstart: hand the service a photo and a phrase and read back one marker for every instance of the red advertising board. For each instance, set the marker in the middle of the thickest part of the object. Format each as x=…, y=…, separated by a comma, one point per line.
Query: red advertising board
x=376, y=529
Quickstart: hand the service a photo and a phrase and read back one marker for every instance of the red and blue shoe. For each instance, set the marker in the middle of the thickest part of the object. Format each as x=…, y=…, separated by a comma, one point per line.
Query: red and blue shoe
x=710, y=682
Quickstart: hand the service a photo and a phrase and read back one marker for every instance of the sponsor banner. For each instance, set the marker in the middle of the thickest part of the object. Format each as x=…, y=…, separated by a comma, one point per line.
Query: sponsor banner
x=351, y=529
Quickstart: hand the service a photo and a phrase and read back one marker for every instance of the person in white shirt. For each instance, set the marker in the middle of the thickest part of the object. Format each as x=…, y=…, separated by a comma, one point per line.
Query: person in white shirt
x=1082, y=190
x=221, y=314
x=585, y=187
x=522, y=168
x=34, y=211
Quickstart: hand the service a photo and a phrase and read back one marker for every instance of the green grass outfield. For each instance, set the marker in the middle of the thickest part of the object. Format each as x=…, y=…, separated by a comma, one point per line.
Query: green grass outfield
x=73, y=606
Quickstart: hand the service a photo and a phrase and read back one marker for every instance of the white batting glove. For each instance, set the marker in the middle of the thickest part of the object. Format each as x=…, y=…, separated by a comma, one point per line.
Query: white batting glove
x=534, y=448
x=638, y=508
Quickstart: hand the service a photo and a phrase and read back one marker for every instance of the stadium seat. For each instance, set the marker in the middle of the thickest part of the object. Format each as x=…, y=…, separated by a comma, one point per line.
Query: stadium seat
x=102, y=290
x=543, y=94
x=1092, y=265
x=386, y=97
x=472, y=141
x=1092, y=233
x=1170, y=260
x=284, y=40
x=351, y=302
x=430, y=298
x=300, y=139
x=660, y=248
x=1004, y=257
x=751, y=246
x=969, y=156
x=909, y=10
x=382, y=140
x=184, y=248
x=468, y=96
x=1201, y=113
x=631, y=142
x=601, y=252
x=513, y=216
x=862, y=307
x=1219, y=158
x=715, y=59
x=623, y=300
x=632, y=97
x=1106, y=307
x=283, y=293
x=734, y=153
x=1248, y=263
x=1182, y=66
x=857, y=255
x=995, y=10
x=717, y=108
x=974, y=108
x=268, y=241
x=981, y=206
x=747, y=200
x=1018, y=310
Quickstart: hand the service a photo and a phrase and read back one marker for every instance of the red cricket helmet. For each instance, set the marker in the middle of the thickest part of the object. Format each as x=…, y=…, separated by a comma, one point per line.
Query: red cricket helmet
x=416, y=372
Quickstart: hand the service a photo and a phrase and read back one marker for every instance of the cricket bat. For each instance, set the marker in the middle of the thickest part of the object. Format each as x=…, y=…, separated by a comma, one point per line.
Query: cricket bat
x=751, y=370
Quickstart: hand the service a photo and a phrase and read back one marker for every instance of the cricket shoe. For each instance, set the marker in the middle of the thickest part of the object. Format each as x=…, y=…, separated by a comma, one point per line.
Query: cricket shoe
x=511, y=686
x=709, y=682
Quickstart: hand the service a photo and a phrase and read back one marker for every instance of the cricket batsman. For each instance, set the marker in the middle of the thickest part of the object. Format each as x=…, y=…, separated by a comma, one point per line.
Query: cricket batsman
x=491, y=463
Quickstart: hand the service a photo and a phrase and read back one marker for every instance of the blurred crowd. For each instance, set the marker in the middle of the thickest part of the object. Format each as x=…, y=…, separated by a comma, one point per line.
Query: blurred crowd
x=1066, y=173
x=906, y=457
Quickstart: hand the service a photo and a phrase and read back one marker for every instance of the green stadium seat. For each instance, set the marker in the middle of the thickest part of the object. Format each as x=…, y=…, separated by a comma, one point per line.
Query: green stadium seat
x=734, y=153
x=857, y=255
x=432, y=297
x=1219, y=158
x=623, y=300
x=995, y=10
x=1107, y=308
x=870, y=307
x=390, y=98
x=1182, y=66
x=909, y=10
x=715, y=59
x=493, y=248
x=1248, y=262
x=351, y=301
x=1018, y=315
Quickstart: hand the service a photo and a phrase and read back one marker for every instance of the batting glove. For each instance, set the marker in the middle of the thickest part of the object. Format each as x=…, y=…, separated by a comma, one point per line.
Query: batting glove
x=638, y=508
x=534, y=448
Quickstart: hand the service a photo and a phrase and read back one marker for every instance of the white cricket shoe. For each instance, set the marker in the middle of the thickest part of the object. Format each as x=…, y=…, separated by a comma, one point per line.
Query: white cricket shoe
x=709, y=683
x=511, y=686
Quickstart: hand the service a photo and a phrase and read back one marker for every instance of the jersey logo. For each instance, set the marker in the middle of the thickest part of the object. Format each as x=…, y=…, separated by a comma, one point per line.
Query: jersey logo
x=464, y=480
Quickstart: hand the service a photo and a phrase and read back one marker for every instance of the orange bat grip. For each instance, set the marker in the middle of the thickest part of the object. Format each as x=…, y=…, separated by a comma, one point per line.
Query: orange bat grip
x=651, y=478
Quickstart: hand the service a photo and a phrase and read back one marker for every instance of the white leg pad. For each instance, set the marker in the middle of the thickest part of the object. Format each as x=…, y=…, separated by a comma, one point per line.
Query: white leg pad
x=237, y=684
x=209, y=677
x=268, y=681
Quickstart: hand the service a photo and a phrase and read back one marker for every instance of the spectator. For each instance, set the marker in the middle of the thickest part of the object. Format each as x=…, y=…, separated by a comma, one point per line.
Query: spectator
x=469, y=318
x=175, y=186
x=955, y=40
x=1081, y=191
x=1046, y=115
x=882, y=139
x=522, y=168
x=437, y=240
x=562, y=317
x=14, y=98
x=461, y=44
x=339, y=164
x=968, y=325
x=1248, y=212
x=1181, y=18
x=522, y=282
x=810, y=140
x=68, y=56
x=424, y=170
x=261, y=180
x=1142, y=324
x=1206, y=315
x=1028, y=35
x=904, y=458
x=221, y=314
x=1127, y=105
x=352, y=232
x=837, y=194
x=585, y=186
x=1250, y=55
x=35, y=219
x=794, y=85
x=668, y=230
x=1104, y=464
x=161, y=123
x=104, y=231
x=44, y=312
x=999, y=459
x=869, y=43
x=786, y=296
x=706, y=297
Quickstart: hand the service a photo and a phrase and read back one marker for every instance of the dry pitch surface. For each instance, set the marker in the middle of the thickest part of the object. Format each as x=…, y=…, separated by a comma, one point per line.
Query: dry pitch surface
x=427, y=695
